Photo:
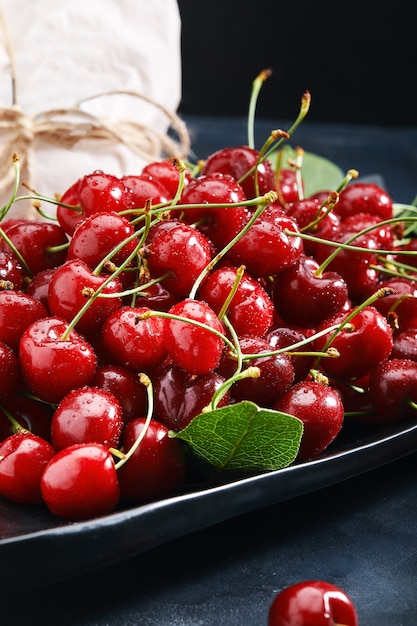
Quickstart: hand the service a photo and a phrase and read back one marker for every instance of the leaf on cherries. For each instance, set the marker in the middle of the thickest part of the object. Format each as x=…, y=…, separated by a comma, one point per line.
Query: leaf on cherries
x=244, y=436
x=318, y=173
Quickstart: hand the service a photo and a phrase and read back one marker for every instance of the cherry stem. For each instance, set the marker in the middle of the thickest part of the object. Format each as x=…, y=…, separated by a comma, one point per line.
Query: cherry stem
x=15, y=252
x=181, y=168
x=278, y=137
x=262, y=202
x=383, y=292
x=16, y=164
x=179, y=318
x=145, y=380
x=256, y=88
x=239, y=275
x=16, y=427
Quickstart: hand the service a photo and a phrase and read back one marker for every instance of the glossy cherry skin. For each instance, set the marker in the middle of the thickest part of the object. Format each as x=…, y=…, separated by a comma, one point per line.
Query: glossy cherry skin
x=33, y=240
x=156, y=469
x=98, y=235
x=321, y=410
x=133, y=342
x=80, y=482
x=197, y=350
x=220, y=225
x=166, y=174
x=304, y=299
x=279, y=337
x=87, y=415
x=312, y=603
x=392, y=386
x=276, y=373
x=251, y=311
x=126, y=386
x=400, y=307
x=405, y=345
x=11, y=270
x=17, y=312
x=66, y=295
x=31, y=413
x=236, y=162
x=266, y=249
x=359, y=197
x=179, y=396
x=143, y=188
x=93, y=193
x=361, y=348
x=182, y=252
x=53, y=366
x=10, y=375
x=38, y=287
x=23, y=458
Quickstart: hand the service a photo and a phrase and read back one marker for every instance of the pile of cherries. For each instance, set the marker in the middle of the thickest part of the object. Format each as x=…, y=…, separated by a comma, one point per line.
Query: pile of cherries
x=152, y=294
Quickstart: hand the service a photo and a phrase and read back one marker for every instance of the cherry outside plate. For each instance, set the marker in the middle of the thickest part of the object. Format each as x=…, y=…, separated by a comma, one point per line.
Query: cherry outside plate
x=34, y=546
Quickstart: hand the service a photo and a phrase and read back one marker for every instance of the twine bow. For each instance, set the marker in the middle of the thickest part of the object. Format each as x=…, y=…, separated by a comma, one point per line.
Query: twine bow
x=66, y=127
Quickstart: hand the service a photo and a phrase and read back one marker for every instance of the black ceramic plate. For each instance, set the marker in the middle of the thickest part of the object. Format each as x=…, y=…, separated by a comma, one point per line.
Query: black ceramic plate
x=37, y=547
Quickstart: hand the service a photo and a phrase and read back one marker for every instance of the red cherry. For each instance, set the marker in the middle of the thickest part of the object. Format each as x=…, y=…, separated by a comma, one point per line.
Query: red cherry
x=31, y=413
x=11, y=271
x=237, y=162
x=405, y=345
x=400, y=307
x=38, y=287
x=134, y=341
x=126, y=386
x=67, y=295
x=17, y=311
x=143, y=188
x=251, y=310
x=98, y=235
x=87, y=415
x=280, y=337
x=361, y=347
x=266, y=249
x=23, y=458
x=392, y=386
x=93, y=193
x=182, y=252
x=36, y=242
x=80, y=482
x=179, y=396
x=304, y=299
x=361, y=197
x=52, y=366
x=321, y=410
x=312, y=603
x=276, y=373
x=191, y=347
x=10, y=376
x=167, y=174
x=220, y=225
x=157, y=467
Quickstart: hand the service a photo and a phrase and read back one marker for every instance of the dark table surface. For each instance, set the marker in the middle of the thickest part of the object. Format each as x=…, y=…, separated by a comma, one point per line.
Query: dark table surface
x=360, y=534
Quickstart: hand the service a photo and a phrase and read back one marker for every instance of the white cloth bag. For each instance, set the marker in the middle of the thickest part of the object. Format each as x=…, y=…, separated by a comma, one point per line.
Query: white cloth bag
x=55, y=54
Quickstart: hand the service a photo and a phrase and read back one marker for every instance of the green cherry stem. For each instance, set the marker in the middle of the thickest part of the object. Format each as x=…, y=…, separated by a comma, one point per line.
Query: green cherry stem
x=124, y=457
x=262, y=202
x=256, y=88
x=16, y=165
x=383, y=292
x=180, y=318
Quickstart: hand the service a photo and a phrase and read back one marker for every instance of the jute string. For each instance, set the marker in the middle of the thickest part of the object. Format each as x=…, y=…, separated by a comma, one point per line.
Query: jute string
x=66, y=127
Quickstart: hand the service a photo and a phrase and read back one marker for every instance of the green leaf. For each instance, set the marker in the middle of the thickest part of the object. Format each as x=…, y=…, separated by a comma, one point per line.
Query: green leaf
x=243, y=436
x=319, y=174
